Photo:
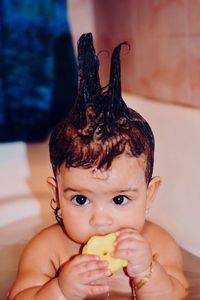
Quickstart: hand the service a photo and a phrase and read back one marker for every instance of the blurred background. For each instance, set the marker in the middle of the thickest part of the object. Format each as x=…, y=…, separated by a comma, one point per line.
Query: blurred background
x=160, y=79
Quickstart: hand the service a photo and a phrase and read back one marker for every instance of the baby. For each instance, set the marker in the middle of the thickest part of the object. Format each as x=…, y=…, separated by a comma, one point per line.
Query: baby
x=102, y=156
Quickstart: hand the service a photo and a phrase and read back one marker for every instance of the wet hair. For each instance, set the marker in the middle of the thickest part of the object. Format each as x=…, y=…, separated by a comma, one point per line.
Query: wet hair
x=100, y=126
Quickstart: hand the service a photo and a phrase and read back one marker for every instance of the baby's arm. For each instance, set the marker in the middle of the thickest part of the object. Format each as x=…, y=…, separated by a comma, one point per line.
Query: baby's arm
x=38, y=277
x=165, y=279
x=36, y=274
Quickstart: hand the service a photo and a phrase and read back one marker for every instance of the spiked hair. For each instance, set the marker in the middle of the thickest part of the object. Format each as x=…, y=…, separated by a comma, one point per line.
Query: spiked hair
x=100, y=126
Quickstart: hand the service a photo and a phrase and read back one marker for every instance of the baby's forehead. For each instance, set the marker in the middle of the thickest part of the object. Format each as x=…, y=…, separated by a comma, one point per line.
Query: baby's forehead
x=124, y=170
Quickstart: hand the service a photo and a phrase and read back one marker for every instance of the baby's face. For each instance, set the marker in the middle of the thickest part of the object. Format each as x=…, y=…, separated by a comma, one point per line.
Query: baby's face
x=95, y=202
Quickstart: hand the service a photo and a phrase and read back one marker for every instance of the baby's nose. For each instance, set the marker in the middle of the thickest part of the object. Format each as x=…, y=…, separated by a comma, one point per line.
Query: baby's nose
x=101, y=218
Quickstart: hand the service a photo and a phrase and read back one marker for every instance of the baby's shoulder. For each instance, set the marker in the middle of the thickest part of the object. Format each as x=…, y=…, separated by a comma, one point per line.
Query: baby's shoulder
x=153, y=230
x=47, y=236
x=162, y=242
x=46, y=244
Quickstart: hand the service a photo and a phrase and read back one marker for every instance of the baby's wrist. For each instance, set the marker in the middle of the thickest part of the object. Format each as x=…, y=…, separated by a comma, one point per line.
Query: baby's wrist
x=142, y=278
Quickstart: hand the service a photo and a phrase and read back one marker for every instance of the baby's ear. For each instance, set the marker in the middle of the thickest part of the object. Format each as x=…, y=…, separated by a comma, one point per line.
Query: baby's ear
x=152, y=190
x=51, y=181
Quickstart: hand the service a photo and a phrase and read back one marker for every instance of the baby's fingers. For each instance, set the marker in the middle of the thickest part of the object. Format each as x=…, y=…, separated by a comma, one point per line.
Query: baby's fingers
x=100, y=289
x=84, y=258
x=90, y=277
x=92, y=266
x=123, y=253
x=128, y=234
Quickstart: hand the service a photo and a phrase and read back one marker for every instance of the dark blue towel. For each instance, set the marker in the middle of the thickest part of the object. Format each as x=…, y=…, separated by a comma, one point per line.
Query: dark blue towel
x=38, y=79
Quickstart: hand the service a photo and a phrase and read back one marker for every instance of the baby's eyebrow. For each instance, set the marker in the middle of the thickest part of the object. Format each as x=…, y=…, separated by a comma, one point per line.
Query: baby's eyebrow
x=135, y=190
x=70, y=189
x=82, y=190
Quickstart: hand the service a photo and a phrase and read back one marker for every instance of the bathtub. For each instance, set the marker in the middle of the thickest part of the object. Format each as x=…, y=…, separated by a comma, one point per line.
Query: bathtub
x=24, y=203
x=24, y=195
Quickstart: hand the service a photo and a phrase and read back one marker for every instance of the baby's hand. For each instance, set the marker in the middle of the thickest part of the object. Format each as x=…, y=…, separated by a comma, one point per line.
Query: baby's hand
x=77, y=277
x=132, y=246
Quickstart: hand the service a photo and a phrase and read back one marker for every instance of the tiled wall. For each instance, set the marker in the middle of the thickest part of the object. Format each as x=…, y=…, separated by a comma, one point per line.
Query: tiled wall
x=164, y=61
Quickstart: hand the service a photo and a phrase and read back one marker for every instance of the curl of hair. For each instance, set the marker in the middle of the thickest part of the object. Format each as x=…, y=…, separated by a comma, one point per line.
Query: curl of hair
x=55, y=211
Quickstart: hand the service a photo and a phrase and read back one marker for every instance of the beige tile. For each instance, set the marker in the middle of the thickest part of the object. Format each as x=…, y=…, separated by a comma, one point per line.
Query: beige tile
x=115, y=20
x=161, y=18
x=194, y=70
x=193, y=10
x=160, y=69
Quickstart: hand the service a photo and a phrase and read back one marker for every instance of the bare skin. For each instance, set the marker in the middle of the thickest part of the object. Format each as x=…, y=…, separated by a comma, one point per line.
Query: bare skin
x=52, y=266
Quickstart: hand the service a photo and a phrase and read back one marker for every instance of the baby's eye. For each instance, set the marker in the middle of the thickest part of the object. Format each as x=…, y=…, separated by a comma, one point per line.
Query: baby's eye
x=80, y=200
x=120, y=200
